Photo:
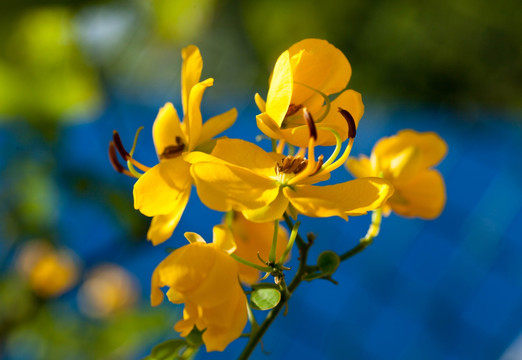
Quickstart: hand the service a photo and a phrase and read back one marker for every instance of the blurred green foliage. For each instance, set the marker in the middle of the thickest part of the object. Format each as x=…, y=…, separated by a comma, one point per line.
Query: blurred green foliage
x=58, y=58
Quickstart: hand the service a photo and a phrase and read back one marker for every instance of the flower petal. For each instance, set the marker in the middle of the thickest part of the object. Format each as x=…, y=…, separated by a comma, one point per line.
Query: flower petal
x=432, y=148
x=320, y=65
x=226, y=322
x=166, y=128
x=193, y=119
x=361, y=167
x=239, y=153
x=216, y=125
x=224, y=187
x=178, y=271
x=424, y=196
x=158, y=191
x=162, y=226
x=223, y=239
x=280, y=91
x=270, y=212
x=355, y=197
x=260, y=102
x=268, y=126
x=190, y=72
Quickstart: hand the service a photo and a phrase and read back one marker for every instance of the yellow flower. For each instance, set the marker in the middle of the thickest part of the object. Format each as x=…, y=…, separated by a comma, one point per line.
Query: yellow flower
x=162, y=192
x=108, y=289
x=303, y=76
x=252, y=239
x=50, y=272
x=241, y=176
x=205, y=278
x=406, y=160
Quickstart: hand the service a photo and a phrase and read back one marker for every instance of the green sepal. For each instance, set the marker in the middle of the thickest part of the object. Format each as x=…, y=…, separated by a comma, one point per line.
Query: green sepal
x=328, y=261
x=265, y=298
x=195, y=339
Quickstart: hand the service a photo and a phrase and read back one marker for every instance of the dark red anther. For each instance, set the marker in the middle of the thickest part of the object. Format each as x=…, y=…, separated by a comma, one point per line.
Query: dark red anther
x=352, y=130
x=119, y=145
x=114, y=159
x=310, y=122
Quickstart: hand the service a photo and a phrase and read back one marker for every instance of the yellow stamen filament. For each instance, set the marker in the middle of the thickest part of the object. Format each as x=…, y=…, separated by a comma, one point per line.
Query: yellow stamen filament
x=280, y=146
x=340, y=161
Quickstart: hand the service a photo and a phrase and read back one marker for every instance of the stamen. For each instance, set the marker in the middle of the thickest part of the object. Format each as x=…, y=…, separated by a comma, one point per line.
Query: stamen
x=113, y=158
x=119, y=145
x=309, y=167
x=124, y=154
x=291, y=165
x=310, y=123
x=318, y=165
x=351, y=122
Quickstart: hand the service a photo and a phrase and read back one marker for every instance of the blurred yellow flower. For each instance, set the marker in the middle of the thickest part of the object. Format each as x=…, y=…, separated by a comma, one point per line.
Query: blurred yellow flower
x=303, y=77
x=107, y=290
x=162, y=192
x=50, y=272
x=205, y=278
x=241, y=176
x=406, y=160
x=252, y=239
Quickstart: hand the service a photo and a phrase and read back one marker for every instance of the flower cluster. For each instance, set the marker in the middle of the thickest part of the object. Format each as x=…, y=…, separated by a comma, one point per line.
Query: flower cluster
x=312, y=120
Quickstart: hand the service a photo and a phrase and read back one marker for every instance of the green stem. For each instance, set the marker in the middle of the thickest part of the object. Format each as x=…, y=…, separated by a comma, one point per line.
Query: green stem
x=290, y=244
x=299, y=240
x=251, y=264
x=256, y=335
x=273, y=248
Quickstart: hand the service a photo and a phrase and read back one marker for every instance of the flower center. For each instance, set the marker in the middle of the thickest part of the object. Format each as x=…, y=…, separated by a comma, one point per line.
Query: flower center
x=173, y=151
x=291, y=165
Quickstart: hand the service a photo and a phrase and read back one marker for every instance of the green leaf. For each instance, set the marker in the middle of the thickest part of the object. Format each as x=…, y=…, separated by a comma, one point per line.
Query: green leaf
x=328, y=261
x=265, y=298
x=168, y=350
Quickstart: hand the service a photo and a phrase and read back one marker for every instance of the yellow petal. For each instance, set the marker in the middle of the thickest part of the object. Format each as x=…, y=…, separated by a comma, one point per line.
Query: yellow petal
x=224, y=187
x=260, y=102
x=239, y=153
x=360, y=167
x=245, y=154
x=217, y=336
x=216, y=125
x=223, y=239
x=184, y=270
x=194, y=238
x=268, y=126
x=190, y=72
x=406, y=164
x=432, y=148
x=193, y=120
x=270, y=212
x=219, y=283
x=158, y=191
x=162, y=226
x=355, y=197
x=424, y=196
x=280, y=91
x=166, y=128
x=319, y=65
x=190, y=317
